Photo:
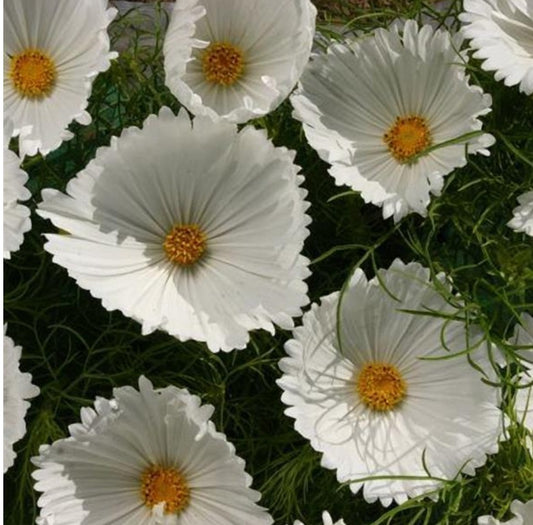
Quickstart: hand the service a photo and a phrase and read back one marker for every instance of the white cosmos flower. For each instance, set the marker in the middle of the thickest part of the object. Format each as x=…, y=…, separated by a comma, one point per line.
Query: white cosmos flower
x=192, y=228
x=326, y=519
x=145, y=457
x=17, y=388
x=502, y=34
x=372, y=107
x=522, y=220
x=237, y=59
x=379, y=408
x=52, y=52
x=16, y=216
x=523, y=515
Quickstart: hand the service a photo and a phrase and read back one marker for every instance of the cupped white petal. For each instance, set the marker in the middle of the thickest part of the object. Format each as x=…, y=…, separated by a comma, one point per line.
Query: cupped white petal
x=17, y=389
x=501, y=32
x=522, y=220
x=73, y=34
x=95, y=476
x=274, y=39
x=349, y=98
x=16, y=216
x=119, y=210
x=447, y=420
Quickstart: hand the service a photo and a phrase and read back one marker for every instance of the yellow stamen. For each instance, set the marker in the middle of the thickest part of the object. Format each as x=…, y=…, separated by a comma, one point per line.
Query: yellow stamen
x=185, y=244
x=165, y=485
x=380, y=386
x=407, y=137
x=33, y=73
x=222, y=63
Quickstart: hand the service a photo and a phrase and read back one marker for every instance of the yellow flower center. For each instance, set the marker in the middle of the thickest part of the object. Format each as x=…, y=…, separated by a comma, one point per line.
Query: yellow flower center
x=222, y=63
x=380, y=386
x=185, y=244
x=407, y=137
x=165, y=485
x=33, y=73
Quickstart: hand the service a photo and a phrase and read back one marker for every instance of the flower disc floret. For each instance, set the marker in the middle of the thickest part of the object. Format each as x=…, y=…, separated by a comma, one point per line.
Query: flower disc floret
x=222, y=63
x=33, y=73
x=165, y=485
x=185, y=244
x=407, y=137
x=380, y=386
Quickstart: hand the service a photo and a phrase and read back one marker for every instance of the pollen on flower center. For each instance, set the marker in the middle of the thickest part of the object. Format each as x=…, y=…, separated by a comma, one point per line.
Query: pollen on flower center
x=33, y=73
x=222, y=63
x=380, y=386
x=185, y=244
x=407, y=137
x=165, y=485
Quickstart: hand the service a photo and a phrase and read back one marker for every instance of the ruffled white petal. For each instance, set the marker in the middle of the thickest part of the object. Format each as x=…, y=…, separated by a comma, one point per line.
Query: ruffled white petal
x=523, y=403
x=523, y=515
x=274, y=37
x=501, y=32
x=120, y=208
x=349, y=97
x=326, y=519
x=95, y=475
x=16, y=216
x=522, y=220
x=17, y=388
x=74, y=34
x=449, y=415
